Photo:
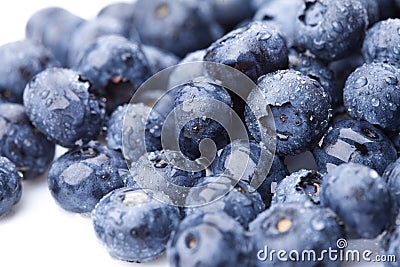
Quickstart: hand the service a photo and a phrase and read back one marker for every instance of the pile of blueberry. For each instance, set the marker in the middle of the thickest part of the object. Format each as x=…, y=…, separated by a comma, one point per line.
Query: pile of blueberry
x=327, y=70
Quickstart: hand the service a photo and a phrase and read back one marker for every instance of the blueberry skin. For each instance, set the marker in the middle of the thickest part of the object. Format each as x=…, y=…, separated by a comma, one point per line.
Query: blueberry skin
x=21, y=143
x=128, y=124
x=176, y=26
x=372, y=8
x=197, y=55
x=392, y=177
x=357, y=142
x=243, y=203
x=255, y=49
x=361, y=199
x=10, y=185
x=59, y=96
x=303, y=186
x=256, y=155
x=200, y=239
x=201, y=126
x=293, y=226
x=133, y=225
x=229, y=13
x=283, y=14
x=158, y=58
x=300, y=106
x=115, y=67
x=87, y=33
x=370, y=94
x=121, y=11
x=317, y=70
x=81, y=177
x=331, y=29
x=53, y=27
x=21, y=60
x=390, y=244
x=381, y=43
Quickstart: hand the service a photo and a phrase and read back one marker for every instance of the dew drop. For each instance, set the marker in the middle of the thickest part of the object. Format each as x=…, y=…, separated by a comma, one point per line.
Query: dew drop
x=375, y=102
x=360, y=82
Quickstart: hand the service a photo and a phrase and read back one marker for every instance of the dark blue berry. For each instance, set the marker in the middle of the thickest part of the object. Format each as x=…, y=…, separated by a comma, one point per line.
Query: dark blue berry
x=281, y=14
x=23, y=144
x=292, y=226
x=259, y=171
x=243, y=203
x=255, y=49
x=176, y=26
x=158, y=58
x=82, y=176
x=196, y=116
x=21, y=60
x=229, y=13
x=371, y=94
x=354, y=141
x=121, y=11
x=381, y=43
x=209, y=240
x=87, y=33
x=58, y=99
x=300, y=106
x=315, y=69
x=331, y=29
x=53, y=27
x=115, y=67
x=133, y=225
x=10, y=185
x=392, y=177
x=302, y=186
x=361, y=199
x=372, y=8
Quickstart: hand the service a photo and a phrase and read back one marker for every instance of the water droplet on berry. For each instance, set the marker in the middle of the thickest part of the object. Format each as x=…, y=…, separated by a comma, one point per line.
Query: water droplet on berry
x=360, y=82
x=317, y=224
x=375, y=102
x=391, y=80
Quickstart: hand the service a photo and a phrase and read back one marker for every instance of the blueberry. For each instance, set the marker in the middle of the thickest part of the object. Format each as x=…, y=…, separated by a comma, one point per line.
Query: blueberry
x=10, y=186
x=370, y=94
x=381, y=43
x=125, y=130
x=197, y=55
x=300, y=106
x=392, y=177
x=331, y=29
x=260, y=172
x=372, y=8
x=83, y=175
x=159, y=170
x=390, y=244
x=197, y=118
x=59, y=97
x=360, y=197
x=53, y=27
x=317, y=70
x=354, y=141
x=23, y=144
x=21, y=60
x=209, y=240
x=292, y=226
x=176, y=26
x=115, y=67
x=254, y=49
x=283, y=15
x=121, y=11
x=87, y=33
x=243, y=203
x=158, y=58
x=302, y=186
x=133, y=225
x=229, y=13
x=387, y=8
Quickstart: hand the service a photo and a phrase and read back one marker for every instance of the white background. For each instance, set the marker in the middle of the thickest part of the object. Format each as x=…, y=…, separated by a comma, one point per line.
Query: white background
x=37, y=232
